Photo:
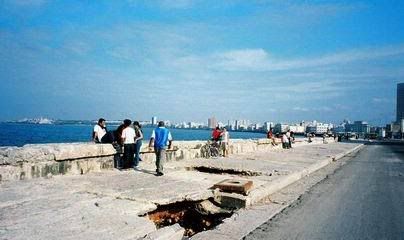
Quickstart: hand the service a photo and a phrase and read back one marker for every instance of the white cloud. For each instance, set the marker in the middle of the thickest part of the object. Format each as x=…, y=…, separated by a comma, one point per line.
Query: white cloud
x=260, y=60
x=301, y=109
x=382, y=100
x=244, y=59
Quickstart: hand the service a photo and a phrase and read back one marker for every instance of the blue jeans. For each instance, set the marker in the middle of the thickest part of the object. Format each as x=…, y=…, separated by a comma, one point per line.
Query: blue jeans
x=137, y=152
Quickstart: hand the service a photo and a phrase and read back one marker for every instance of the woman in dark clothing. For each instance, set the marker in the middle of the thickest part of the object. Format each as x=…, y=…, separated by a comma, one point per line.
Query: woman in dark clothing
x=138, y=141
x=118, y=163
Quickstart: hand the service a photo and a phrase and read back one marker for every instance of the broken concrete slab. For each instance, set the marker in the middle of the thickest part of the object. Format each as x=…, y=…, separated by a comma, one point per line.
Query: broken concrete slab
x=173, y=232
x=235, y=185
x=231, y=200
x=208, y=208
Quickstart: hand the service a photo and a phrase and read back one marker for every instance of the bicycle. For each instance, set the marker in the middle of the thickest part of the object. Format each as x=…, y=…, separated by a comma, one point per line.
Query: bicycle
x=211, y=149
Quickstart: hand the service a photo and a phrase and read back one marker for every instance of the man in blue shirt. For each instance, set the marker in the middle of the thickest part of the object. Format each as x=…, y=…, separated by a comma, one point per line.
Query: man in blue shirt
x=159, y=139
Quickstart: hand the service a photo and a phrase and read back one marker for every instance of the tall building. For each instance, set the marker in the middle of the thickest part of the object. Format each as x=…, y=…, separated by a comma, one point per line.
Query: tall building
x=400, y=102
x=154, y=121
x=212, y=122
x=358, y=127
x=268, y=126
x=281, y=128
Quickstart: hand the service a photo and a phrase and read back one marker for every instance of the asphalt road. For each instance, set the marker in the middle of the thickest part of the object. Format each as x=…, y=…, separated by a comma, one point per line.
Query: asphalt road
x=364, y=199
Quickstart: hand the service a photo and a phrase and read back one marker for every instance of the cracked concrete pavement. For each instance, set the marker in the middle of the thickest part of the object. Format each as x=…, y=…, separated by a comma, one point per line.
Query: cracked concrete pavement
x=107, y=205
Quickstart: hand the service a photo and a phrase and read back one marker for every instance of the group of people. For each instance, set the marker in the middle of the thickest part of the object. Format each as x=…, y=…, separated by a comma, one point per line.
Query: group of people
x=129, y=136
x=287, y=139
x=221, y=137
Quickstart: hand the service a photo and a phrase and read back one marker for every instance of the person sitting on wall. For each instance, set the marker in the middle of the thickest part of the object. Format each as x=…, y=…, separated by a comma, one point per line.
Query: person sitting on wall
x=100, y=133
x=271, y=137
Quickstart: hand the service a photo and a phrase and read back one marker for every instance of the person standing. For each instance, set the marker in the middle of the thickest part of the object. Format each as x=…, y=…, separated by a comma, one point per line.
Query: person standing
x=118, y=146
x=128, y=138
x=216, y=134
x=138, y=142
x=285, y=141
x=225, y=142
x=159, y=138
x=289, y=139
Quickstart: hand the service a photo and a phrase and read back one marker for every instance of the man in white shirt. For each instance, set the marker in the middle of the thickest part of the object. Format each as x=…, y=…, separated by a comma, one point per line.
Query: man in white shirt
x=128, y=139
x=288, y=135
x=225, y=142
x=285, y=141
x=99, y=131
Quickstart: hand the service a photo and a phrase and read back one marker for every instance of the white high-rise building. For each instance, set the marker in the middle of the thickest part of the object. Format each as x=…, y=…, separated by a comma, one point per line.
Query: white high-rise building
x=212, y=123
x=268, y=125
x=154, y=120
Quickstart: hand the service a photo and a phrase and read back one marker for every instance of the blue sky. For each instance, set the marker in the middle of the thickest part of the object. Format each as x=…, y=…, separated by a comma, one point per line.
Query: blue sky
x=274, y=60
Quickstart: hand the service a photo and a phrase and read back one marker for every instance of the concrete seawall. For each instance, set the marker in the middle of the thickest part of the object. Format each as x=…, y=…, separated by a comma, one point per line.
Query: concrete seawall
x=112, y=204
x=44, y=160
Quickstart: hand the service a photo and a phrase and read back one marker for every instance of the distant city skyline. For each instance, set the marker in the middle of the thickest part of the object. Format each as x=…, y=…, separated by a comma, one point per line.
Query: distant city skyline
x=278, y=61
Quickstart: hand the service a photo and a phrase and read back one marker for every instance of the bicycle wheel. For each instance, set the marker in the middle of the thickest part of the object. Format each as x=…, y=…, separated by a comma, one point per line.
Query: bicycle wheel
x=214, y=152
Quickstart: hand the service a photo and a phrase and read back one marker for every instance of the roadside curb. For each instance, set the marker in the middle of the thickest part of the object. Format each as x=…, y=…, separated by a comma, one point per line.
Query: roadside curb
x=247, y=220
x=258, y=194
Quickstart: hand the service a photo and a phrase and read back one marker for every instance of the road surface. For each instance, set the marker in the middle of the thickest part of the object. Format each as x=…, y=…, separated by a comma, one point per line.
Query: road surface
x=364, y=199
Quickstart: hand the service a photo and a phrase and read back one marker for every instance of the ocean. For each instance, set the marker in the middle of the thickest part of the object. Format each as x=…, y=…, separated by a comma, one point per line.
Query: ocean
x=19, y=134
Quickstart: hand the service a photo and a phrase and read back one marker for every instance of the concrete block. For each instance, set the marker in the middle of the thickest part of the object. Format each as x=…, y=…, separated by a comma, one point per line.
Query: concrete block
x=234, y=185
x=173, y=232
x=231, y=200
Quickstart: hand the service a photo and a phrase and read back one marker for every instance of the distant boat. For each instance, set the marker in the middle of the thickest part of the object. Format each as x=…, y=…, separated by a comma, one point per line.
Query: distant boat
x=45, y=121
x=40, y=120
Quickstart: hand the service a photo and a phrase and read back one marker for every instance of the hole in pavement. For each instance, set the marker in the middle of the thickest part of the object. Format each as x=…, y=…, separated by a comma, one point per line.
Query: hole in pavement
x=223, y=171
x=193, y=216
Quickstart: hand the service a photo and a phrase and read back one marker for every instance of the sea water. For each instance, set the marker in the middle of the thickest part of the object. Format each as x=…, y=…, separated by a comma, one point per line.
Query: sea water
x=18, y=134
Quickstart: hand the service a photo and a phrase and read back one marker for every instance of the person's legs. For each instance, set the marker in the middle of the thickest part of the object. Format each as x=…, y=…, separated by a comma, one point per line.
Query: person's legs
x=126, y=157
x=108, y=138
x=131, y=155
x=160, y=158
x=105, y=139
x=157, y=152
x=117, y=156
x=137, y=152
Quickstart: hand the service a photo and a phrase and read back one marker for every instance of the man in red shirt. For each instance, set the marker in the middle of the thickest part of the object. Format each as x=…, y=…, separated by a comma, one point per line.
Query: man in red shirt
x=216, y=134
